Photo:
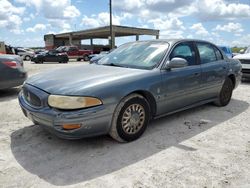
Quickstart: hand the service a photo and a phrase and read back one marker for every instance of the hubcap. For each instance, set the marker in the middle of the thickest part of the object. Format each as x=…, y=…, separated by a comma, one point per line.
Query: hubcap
x=133, y=118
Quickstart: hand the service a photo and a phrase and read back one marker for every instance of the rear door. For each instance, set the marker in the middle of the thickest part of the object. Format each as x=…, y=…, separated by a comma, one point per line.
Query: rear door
x=181, y=86
x=214, y=69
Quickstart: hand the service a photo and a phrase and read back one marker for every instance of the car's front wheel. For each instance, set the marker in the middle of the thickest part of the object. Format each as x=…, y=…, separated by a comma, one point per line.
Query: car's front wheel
x=27, y=58
x=130, y=119
x=225, y=93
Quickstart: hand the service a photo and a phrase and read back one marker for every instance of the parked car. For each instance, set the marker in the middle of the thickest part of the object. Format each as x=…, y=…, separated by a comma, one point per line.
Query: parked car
x=136, y=82
x=50, y=56
x=12, y=73
x=96, y=57
x=38, y=51
x=74, y=52
x=227, y=50
x=25, y=53
x=245, y=61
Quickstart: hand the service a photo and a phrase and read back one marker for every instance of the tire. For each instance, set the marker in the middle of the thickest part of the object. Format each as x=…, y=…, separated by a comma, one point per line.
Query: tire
x=78, y=59
x=225, y=93
x=27, y=58
x=125, y=128
x=85, y=58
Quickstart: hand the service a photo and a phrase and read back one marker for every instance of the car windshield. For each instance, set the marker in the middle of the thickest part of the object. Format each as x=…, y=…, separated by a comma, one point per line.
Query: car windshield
x=61, y=48
x=247, y=50
x=141, y=55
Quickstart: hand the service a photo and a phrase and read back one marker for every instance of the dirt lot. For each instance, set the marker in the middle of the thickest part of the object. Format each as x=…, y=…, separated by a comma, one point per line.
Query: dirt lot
x=202, y=147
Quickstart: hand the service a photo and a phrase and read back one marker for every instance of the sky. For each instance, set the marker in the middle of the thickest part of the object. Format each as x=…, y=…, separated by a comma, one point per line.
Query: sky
x=223, y=22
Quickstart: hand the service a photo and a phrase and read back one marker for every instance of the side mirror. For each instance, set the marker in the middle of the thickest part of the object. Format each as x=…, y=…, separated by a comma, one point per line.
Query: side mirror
x=177, y=62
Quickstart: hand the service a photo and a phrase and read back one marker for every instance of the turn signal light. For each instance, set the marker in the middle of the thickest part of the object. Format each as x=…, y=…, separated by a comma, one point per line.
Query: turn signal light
x=71, y=126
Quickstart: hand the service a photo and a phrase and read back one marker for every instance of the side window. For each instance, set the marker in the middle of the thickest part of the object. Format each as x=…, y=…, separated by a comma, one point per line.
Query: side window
x=185, y=51
x=218, y=54
x=207, y=53
x=72, y=49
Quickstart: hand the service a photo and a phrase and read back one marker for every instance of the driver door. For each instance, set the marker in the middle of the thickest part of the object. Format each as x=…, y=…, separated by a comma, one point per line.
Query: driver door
x=51, y=56
x=181, y=86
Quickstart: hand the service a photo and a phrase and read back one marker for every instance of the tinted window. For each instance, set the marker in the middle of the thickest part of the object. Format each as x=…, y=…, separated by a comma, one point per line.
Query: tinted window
x=218, y=54
x=72, y=49
x=185, y=51
x=207, y=53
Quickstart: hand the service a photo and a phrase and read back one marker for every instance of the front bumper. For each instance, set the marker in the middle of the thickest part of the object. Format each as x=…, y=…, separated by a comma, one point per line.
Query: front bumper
x=94, y=121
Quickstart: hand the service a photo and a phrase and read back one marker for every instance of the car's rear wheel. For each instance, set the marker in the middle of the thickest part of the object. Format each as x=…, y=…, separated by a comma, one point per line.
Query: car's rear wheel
x=85, y=58
x=225, y=93
x=130, y=119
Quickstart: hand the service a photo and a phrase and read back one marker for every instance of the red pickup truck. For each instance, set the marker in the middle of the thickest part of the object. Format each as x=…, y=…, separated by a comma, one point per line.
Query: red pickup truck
x=74, y=52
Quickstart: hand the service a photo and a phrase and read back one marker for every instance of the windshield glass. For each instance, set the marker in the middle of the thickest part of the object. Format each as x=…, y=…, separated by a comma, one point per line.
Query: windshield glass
x=142, y=55
x=247, y=50
x=61, y=48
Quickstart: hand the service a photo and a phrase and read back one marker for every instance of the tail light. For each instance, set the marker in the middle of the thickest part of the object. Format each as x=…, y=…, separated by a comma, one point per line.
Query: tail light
x=11, y=64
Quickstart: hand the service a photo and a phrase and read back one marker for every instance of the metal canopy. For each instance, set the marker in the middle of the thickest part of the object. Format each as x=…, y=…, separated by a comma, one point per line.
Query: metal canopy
x=104, y=32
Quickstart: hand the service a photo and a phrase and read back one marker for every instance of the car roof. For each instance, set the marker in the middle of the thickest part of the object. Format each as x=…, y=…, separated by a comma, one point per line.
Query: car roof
x=173, y=41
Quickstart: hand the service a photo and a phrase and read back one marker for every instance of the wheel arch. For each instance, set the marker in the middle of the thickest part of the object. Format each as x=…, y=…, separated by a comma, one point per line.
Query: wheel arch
x=149, y=97
x=233, y=79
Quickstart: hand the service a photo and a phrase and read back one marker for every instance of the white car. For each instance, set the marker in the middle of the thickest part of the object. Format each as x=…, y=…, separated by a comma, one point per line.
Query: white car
x=25, y=54
x=245, y=62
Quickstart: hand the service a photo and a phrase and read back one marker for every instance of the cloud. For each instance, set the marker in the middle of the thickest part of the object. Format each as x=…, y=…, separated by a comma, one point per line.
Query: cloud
x=58, y=23
x=220, y=9
x=205, y=10
x=52, y=9
x=37, y=27
x=10, y=17
x=242, y=41
x=230, y=27
x=169, y=27
x=199, y=29
x=102, y=19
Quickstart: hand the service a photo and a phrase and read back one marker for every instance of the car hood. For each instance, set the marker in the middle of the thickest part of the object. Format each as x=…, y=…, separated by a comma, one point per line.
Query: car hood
x=72, y=81
x=242, y=56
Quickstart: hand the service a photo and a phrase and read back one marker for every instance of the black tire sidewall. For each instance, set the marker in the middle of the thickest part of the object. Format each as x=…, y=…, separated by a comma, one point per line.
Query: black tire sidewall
x=227, y=83
x=85, y=58
x=120, y=131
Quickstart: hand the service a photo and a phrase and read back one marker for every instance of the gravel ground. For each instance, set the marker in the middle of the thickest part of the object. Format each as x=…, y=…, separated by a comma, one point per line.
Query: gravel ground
x=201, y=147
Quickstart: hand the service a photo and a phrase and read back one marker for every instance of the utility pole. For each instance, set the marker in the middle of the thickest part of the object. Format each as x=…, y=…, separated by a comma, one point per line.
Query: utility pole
x=110, y=23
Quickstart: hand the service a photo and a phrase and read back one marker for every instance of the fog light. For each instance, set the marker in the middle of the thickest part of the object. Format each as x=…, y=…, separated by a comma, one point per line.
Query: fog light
x=71, y=126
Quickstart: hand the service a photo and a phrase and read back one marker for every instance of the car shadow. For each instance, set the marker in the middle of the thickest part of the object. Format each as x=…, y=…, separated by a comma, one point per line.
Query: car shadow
x=63, y=162
x=8, y=94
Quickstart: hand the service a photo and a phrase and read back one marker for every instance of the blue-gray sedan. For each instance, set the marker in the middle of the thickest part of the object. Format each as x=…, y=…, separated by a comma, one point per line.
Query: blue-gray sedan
x=137, y=82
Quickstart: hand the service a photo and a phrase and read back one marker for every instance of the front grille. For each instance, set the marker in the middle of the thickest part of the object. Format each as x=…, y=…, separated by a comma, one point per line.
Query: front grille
x=31, y=98
x=247, y=71
x=245, y=61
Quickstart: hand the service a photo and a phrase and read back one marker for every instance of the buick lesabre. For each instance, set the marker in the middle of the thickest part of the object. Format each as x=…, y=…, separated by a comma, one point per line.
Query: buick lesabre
x=132, y=85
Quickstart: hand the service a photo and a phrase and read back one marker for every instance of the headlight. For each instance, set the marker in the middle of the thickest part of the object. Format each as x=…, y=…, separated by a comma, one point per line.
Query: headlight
x=71, y=102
